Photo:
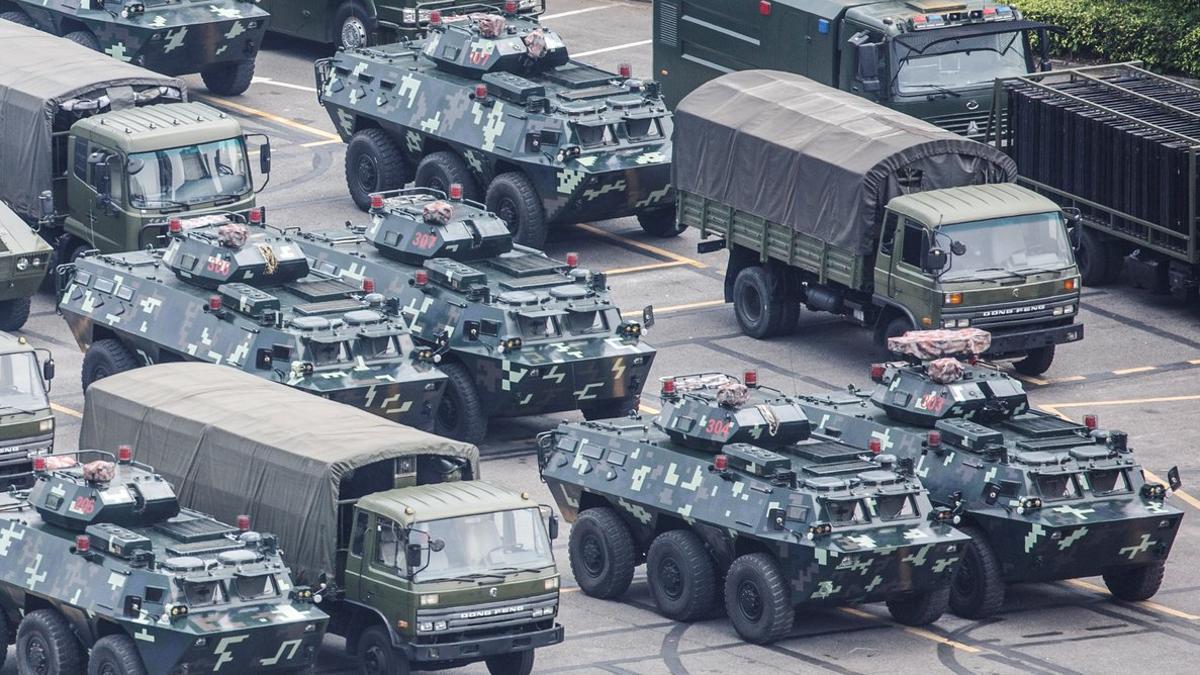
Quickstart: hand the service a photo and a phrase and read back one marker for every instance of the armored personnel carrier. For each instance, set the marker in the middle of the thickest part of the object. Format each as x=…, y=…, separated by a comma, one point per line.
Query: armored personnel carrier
x=1043, y=498
x=24, y=257
x=518, y=333
x=725, y=483
x=217, y=38
x=494, y=103
x=243, y=295
x=102, y=570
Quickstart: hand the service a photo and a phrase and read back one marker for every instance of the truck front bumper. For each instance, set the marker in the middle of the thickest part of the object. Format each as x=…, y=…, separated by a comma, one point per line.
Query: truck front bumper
x=476, y=650
x=1024, y=341
x=15, y=458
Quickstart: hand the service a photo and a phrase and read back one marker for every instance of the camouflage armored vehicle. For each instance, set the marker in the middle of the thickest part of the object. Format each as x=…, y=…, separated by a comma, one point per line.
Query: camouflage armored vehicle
x=103, y=572
x=518, y=332
x=26, y=423
x=217, y=38
x=726, y=484
x=24, y=258
x=493, y=103
x=1042, y=497
x=245, y=297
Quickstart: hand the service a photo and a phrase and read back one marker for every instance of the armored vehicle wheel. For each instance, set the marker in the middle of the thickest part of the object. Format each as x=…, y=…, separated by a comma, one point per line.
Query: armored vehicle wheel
x=1134, y=584
x=512, y=197
x=1036, y=362
x=601, y=553
x=84, y=38
x=758, y=302
x=373, y=164
x=376, y=656
x=516, y=663
x=354, y=26
x=441, y=169
x=14, y=313
x=46, y=645
x=17, y=17
x=682, y=576
x=1099, y=263
x=460, y=412
x=919, y=609
x=115, y=655
x=977, y=590
x=617, y=407
x=661, y=222
x=757, y=599
x=228, y=79
x=106, y=357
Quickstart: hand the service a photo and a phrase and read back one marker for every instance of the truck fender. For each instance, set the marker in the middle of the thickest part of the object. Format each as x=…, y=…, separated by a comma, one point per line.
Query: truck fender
x=365, y=616
x=890, y=309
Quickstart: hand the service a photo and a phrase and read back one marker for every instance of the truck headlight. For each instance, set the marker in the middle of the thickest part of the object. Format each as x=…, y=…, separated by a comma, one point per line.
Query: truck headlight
x=551, y=583
x=46, y=424
x=22, y=264
x=440, y=625
x=429, y=599
x=425, y=626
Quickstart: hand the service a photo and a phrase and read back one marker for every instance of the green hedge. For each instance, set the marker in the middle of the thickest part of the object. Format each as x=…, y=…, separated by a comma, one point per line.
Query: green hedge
x=1163, y=33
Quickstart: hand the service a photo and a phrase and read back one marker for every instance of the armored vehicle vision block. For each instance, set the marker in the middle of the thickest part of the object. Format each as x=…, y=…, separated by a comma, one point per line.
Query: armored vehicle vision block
x=1042, y=497
x=519, y=333
x=726, y=483
x=244, y=296
x=102, y=551
x=494, y=103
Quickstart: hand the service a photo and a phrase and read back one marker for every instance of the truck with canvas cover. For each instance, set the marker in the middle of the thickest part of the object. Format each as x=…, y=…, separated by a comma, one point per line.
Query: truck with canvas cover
x=110, y=151
x=419, y=564
x=26, y=422
x=828, y=200
x=933, y=59
x=24, y=259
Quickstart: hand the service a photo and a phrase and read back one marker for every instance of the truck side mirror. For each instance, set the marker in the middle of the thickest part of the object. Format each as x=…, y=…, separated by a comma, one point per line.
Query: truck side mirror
x=552, y=527
x=958, y=248
x=935, y=260
x=264, y=157
x=48, y=370
x=867, y=61
x=648, y=316
x=414, y=556
x=1173, y=479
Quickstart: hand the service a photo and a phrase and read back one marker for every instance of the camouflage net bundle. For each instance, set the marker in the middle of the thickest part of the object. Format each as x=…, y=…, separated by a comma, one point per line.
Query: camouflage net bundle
x=535, y=44
x=490, y=25
x=945, y=371
x=927, y=345
x=437, y=213
x=732, y=394
x=233, y=235
x=99, y=471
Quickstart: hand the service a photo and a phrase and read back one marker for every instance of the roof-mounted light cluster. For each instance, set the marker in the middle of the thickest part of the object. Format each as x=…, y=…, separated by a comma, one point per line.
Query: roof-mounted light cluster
x=962, y=16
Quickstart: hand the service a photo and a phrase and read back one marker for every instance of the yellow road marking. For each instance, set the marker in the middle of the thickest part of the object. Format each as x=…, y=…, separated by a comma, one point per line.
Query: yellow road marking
x=1195, y=362
x=1195, y=503
x=1154, y=606
x=677, y=308
x=1031, y=379
x=644, y=268
x=1130, y=371
x=648, y=410
x=919, y=632
x=1069, y=378
x=65, y=410
x=316, y=143
x=661, y=252
x=1127, y=401
x=320, y=133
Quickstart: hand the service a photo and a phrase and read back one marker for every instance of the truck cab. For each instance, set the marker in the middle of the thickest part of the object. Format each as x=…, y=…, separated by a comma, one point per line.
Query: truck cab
x=26, y=423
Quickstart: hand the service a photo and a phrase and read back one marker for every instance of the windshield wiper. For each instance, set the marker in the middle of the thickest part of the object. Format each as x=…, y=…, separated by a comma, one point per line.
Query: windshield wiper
x=944, y=90
x=1040, y=270
x=514, y=570
x=475, y=576
x=1005, y=270
x=146, y=203
x=13, y=407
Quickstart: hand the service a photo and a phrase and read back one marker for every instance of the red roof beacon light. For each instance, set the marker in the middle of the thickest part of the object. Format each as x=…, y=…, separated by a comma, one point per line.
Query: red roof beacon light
x=625, y=70
x=572, y=260
x=214, y=303
x=125, y=454
x=39, y=464
x=243, y=523
x=175, y=226
x=720, y=462
x=376, y=202
x=420, y=278
x=668, y=387
x=875, y=446
x=481, y=91
x=256, y=216
x=750, y=378
x=83, y=543
x=510, y=6
x=764, y=7
x=368, y=285
x=435, y=17
x=1092, y=422
x=456, y=192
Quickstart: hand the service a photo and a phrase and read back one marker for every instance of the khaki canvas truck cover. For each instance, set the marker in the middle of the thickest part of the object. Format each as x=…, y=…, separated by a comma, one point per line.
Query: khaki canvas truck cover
x=39, y=74
x=234, y=443
x=821, y=161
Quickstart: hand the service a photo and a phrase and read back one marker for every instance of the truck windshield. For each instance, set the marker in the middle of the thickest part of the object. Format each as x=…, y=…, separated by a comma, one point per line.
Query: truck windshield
x=967, y=63
x=1017, y=245
x=21, y=386
x=188, y=175
x=499, y=543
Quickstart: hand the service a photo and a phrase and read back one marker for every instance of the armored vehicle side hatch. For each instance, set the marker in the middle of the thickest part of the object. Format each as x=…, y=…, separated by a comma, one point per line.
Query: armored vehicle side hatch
x=708, y=412
x=496, y=48
x=213, y=250
x=412, y=226
x=78, y=496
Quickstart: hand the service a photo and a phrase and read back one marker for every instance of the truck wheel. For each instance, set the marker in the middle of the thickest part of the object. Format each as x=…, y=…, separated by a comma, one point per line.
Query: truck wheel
x=84, y=38
x=355, y=27
x=373, y=164
x=376, y=656
x=601, y=553
x=512, y=197
x=757, y=302
x=615, y=407
x=1036, y=362
x=228, y=79
x=757, y=599
x=896, y=327
x=1134, y=584
x=17, y=17
x=790, y=318
x=106, y=357
x=115, y=655
x=14, y=313
x=1097, y=264
x=682, y=576
x=460, y=412
x=919, y=609
x=661, y=222
x=45, y=644
x=977, y=590
x=515, y=663
x=439, y=170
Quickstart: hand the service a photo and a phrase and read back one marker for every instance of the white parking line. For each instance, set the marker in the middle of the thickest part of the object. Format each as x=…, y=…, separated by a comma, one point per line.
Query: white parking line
x=285, y=85
x=639, y=43
x=547, y=17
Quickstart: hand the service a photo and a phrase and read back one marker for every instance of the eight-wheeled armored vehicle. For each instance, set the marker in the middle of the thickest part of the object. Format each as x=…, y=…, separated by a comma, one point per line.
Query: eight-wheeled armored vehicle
x=518, y=333
x=26, y=422
x=23, y=265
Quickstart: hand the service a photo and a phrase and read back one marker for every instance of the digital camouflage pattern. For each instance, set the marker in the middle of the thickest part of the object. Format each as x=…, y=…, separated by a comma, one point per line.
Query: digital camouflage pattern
x=535, y=334
x=193, y=594
x=245, y=297
x=24, y=257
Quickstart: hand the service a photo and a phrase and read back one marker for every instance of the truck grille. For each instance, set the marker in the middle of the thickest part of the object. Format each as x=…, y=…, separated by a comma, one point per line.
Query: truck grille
x=1011, y=315
x=960, y=123
x=489, y=615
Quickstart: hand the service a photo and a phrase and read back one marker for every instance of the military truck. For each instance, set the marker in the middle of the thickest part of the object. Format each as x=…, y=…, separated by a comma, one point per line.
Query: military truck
x=245, y=297
x=419, y=564
x=932, y=59
x=494, y=103
x=847, y=207
x=363, y=23
x=724, y=496
x=26, y=423
x=24, y=259
x=103, y=571
x=1042, y=497
x=517, y=332
x=217, y=38
x=111, y=151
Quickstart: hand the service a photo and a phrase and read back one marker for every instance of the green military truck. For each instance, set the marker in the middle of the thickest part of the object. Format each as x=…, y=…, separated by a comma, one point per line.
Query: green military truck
x=110, y=151
x=848, y=207
x=933, y=59
x=26, y=423
x=420, y=565
x=24, y=257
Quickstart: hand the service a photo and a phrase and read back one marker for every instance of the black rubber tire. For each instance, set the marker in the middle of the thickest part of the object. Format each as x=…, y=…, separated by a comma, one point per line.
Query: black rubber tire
x=512, y=197
x=439, y=169
x=758, y=302
x=17, y=17
x=104, y=358
x=895, y=327
x=84, y=38
x=347, y=12
x=919, y=609
x=977, y=590
x=1036, y=362
x=14, y=313
x=601, y=552
x=376, y=656
x=682, y=575
x=228, y=79
x=513, y=663
x=44, y=634
x=459, y=414
x=115, y=655
x=661, y=222
x=6, y=635
x=373, y=164
x=758, y=599
x=1097, y=263
x=613, y=407
x=790, y=319
x=1134, y=584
